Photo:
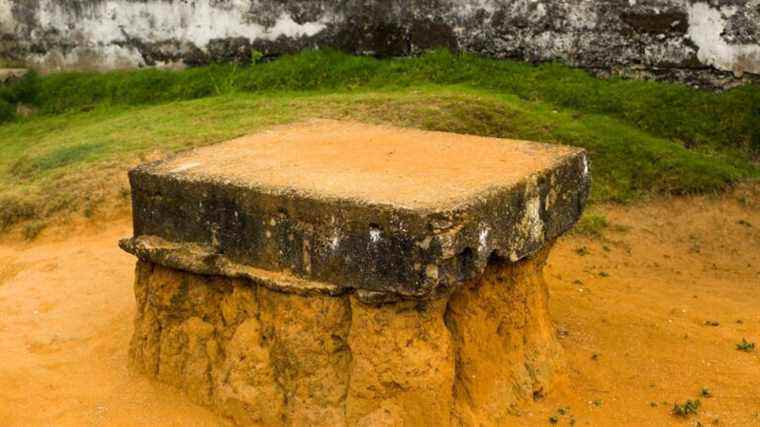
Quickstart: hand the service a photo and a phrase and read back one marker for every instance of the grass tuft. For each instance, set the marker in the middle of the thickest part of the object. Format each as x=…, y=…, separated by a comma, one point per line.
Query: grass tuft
x=591, y=225
x=15, y=209
x=33, y=229
x=745, y=346
x=690, y=407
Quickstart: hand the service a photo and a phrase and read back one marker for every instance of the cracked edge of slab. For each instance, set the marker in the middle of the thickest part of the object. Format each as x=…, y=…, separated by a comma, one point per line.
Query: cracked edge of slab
x=198, y=259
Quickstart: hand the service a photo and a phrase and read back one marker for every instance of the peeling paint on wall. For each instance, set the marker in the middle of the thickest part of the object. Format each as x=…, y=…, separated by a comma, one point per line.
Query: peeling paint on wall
x=706, y=28
x=699, y=42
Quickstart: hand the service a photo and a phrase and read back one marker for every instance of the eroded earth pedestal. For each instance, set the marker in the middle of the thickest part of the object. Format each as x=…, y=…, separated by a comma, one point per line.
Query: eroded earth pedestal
x=343, y=274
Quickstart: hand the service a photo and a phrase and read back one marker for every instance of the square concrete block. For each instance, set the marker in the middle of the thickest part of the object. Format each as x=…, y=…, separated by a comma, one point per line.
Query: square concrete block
x=331, y=274
x=330, y=207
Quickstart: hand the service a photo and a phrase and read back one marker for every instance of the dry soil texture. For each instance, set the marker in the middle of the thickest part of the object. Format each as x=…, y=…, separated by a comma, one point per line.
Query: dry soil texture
x=630, y=309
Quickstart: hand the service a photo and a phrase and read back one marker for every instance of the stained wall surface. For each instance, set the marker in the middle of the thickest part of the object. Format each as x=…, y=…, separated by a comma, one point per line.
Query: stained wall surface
x=687, y=40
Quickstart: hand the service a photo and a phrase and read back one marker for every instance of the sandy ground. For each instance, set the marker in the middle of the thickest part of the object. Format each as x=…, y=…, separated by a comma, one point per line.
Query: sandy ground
x=630, y=309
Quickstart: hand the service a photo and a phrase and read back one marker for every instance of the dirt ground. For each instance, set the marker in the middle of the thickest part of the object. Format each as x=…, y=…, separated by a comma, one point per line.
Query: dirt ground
x=630, y=308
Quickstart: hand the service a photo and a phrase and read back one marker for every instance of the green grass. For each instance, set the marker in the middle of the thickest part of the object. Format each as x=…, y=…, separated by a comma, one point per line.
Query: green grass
x=71, y=156
x=692, y=118
x=591, y=224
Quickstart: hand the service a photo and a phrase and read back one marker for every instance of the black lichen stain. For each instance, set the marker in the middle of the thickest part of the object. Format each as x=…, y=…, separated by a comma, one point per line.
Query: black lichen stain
x=657, y=23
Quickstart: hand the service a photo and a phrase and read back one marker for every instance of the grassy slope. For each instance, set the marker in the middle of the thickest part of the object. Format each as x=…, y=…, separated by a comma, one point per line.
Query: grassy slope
x=71, y=155
x=76, y=161
x=690, y=117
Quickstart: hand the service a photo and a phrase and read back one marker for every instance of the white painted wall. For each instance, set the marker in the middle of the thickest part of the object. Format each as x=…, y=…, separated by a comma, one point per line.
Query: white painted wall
x=94, y=36
x=706, y=24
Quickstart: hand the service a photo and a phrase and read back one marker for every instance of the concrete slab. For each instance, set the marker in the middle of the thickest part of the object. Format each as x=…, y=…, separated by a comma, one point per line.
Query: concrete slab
x=389, y=212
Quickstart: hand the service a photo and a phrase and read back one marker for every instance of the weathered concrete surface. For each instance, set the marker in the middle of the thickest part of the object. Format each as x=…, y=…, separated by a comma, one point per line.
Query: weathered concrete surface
x=258, y=356
x=262, y=357
x=507, y=351
x=330, y=273
x=329, y=207
x=707, y=42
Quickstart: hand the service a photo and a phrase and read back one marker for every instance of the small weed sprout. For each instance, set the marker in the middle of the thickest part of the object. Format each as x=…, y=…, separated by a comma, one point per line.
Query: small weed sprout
x=591, y=225
x=256, y=56
x=88, y=211
x=690, y=407
x=745, y=346
x=125, y=193
x=33, y=229
x=582, y=251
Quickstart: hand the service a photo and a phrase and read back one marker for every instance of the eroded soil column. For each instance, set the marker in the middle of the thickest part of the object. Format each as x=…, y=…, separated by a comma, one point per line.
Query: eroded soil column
x=334, y=273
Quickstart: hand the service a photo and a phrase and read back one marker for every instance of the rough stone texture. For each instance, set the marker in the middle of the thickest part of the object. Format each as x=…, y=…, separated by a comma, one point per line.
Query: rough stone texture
x=263, y=357
x=258, y=356
x=330, y=273
x=714, y=43
x=403, y=364
x=329, y=207
x=507, y=351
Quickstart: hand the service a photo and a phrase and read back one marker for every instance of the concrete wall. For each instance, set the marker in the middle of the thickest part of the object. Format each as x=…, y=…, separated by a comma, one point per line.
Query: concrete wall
x=715, y=42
